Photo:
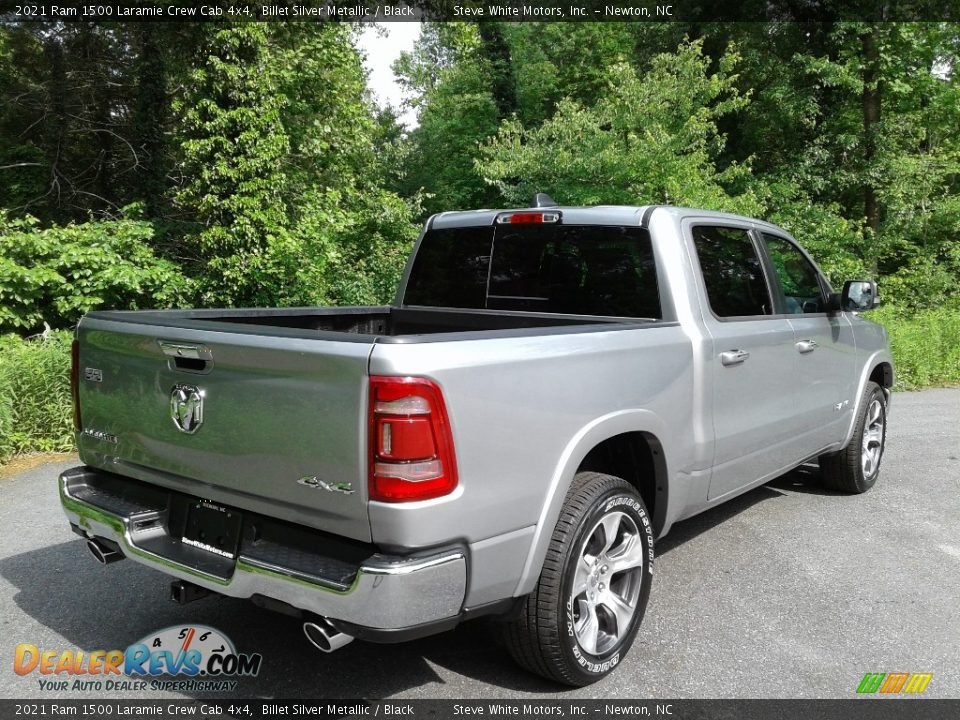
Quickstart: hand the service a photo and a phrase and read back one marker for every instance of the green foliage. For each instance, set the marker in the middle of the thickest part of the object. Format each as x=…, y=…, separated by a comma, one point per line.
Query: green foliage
x=281, y=172
x=441, y=46
x=458, y=111
x=353, y=248
x=349, y=235
x=36, y=410
x=926, y=345
x=59, y=273
x=650, y=138
x=151, y=111
x=928, y=281
x=266, y=177
x=233, y=144
x=554, y=61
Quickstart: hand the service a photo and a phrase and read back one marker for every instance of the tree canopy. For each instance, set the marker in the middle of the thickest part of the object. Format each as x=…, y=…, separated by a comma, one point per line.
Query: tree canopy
x=246, y=164
x=843, y=132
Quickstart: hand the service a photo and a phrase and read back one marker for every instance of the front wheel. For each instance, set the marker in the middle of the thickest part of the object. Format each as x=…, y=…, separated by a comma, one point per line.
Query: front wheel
x=855, y=468
x=583, y=615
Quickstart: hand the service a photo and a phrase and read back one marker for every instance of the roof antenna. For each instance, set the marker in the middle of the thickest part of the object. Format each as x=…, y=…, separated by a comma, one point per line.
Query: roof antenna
x=543, y=200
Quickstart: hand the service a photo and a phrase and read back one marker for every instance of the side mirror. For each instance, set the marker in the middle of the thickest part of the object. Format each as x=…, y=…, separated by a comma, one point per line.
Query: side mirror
x=859, y=296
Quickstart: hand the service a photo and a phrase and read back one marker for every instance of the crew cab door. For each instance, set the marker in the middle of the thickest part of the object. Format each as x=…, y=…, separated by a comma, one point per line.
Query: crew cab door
x=825, y=380
x=753, y=360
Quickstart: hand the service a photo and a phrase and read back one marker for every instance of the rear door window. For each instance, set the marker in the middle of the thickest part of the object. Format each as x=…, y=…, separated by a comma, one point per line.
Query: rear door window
x=732, y=272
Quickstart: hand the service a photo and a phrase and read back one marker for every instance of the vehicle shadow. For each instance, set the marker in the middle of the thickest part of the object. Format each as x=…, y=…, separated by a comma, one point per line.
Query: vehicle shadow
x=110, y=607
x=96, y=607
x=686, y=530
x=804, y=479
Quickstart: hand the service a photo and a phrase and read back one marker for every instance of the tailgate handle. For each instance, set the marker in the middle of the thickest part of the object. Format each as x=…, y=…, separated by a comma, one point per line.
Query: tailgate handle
x=187, y=357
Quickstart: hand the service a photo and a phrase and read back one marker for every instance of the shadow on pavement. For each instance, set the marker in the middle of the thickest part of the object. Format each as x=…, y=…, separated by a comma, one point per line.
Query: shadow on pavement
x=110, y=607
x=804, y=479
x=687, y=530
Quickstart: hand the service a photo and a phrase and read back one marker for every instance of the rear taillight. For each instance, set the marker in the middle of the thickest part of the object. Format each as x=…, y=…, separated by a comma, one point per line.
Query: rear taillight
x=411, y=446
x=75, y=383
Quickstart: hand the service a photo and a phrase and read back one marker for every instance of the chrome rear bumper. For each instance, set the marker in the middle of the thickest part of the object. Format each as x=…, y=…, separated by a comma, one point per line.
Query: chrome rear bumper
x=386, y=592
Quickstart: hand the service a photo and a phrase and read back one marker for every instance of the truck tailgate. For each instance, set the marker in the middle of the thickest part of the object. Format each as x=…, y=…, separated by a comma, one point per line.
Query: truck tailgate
x=272, y=425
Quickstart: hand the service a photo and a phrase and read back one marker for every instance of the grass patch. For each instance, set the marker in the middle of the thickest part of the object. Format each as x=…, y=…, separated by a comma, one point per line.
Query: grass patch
x=36, y=412
x=925, y=345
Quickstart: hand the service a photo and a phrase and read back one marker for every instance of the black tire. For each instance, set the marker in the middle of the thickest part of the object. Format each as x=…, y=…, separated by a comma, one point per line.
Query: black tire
x=847, y=470
x=544, y=638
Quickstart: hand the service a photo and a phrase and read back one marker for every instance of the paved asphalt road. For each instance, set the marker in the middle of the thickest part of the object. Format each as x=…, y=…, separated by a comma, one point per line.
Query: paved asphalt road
x=788, y=591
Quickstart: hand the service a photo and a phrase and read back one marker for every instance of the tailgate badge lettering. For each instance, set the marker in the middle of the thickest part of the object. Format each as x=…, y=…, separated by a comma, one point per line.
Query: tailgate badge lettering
x=186, y=407
x=100, y=435
x=316, y=483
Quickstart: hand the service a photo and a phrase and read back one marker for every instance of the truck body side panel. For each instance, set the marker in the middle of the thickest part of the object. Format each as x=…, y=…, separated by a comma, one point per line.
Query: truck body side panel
x=520, y=409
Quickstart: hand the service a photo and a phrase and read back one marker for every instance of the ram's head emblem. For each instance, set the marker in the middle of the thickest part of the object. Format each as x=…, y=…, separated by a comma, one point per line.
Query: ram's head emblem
x=186, y=408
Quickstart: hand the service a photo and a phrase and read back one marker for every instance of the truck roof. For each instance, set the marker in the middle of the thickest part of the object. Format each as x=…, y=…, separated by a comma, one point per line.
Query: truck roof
x=594, y=215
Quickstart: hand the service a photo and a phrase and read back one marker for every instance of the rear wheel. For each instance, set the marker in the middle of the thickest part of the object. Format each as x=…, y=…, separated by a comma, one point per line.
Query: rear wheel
x=855, y=468
x=584, y=613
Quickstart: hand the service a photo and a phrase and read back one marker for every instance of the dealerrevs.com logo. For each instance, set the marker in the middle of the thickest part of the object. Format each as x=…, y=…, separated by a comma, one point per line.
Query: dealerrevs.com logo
x=203, y=655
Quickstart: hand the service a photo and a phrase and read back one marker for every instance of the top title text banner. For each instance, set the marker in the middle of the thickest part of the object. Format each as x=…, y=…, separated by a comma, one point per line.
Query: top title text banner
x=473, y=11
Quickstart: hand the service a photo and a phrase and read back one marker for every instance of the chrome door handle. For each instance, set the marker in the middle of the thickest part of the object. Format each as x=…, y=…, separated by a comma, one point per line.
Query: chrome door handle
x=733, y=357
x=807, y=346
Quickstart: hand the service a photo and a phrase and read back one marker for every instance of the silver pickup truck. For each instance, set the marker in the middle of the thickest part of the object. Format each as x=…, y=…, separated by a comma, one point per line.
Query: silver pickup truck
x=552, y=390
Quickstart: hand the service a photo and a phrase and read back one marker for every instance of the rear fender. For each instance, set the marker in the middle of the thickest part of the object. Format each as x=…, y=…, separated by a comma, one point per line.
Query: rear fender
x=594, y=433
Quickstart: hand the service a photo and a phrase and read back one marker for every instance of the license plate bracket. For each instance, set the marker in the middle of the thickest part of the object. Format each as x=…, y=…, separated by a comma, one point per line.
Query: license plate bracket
x=213, y=528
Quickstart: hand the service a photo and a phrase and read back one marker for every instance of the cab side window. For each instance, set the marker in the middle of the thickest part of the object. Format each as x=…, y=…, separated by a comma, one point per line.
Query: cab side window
x=797, y=277
x=732, y=272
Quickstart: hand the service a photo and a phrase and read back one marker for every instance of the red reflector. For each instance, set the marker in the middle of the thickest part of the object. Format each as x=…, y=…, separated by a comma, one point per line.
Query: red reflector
x=75, y=383
x=411, y=446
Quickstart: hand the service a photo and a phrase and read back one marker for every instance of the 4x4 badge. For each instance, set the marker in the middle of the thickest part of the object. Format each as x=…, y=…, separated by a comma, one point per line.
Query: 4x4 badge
x=186, y=407
x=316, y=483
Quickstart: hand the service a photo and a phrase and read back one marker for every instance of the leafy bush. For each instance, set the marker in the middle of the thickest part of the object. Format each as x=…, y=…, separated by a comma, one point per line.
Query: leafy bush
x=35, y=405
x=350, y=248
x=650, y=138
x=57, y=274
x=927, y=281
x=925, y=344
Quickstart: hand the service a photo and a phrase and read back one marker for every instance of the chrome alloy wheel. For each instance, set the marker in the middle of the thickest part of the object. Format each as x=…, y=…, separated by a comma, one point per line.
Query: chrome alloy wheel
x=872, y=439
x=606, y=582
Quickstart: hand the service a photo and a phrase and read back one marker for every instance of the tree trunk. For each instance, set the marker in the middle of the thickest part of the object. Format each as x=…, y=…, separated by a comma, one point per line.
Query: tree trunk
x=871, y=116
x=55, y=125
x=150, y=121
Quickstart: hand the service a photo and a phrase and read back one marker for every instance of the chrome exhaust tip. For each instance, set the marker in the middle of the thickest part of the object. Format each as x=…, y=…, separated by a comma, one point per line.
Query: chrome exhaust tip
x=323, y=636
x=104, y=551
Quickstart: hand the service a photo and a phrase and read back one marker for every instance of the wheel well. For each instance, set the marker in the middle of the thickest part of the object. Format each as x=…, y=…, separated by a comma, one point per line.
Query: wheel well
x=882, y=375
x=636, y=457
